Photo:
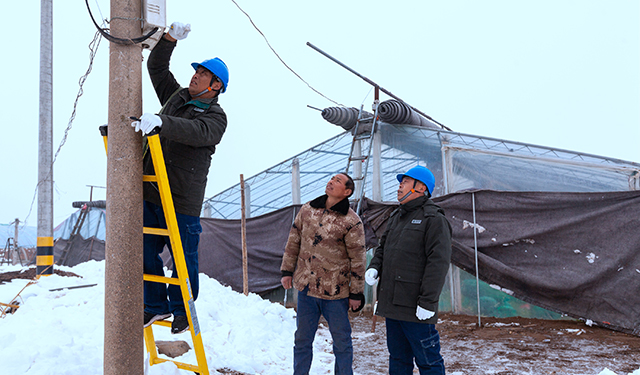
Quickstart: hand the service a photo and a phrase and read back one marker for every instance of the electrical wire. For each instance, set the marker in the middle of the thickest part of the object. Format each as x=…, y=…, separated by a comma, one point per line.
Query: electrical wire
x=93, y=47
x=117, y=40
x=281, y=60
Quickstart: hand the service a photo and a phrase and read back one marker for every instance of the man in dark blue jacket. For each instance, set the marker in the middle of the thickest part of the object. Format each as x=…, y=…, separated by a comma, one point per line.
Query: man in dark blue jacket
x=190, y=124
x=411, y=263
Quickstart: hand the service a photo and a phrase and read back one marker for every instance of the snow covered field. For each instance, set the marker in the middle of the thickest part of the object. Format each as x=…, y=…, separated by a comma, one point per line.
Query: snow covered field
x=241, y=333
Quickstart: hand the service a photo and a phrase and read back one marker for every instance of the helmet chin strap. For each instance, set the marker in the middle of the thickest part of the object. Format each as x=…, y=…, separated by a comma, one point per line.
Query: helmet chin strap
x=413, y=190
x=406, y=195
x=213, y=79
x=204, y=92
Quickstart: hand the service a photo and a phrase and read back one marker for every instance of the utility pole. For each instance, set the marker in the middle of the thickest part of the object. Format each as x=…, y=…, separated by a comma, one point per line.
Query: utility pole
x=44, y=254
x=123, y=333
x=16, y=246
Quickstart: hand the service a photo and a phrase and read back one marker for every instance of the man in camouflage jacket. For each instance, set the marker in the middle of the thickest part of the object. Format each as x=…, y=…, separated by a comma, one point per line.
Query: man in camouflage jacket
x=324, y=259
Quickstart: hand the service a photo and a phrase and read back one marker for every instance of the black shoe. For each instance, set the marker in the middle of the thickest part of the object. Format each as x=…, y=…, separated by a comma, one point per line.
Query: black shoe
x=180, y=324
x=149, y=318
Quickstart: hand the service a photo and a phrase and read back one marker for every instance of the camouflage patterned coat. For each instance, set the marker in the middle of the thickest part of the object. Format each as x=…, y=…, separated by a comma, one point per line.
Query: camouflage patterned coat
x=326, y=251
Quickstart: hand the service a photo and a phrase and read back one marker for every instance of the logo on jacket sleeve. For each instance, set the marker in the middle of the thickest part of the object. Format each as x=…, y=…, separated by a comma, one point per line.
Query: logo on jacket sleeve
x=416, y=221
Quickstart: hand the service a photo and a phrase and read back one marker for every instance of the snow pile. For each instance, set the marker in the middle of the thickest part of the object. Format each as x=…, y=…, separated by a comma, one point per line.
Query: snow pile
x=62, y=332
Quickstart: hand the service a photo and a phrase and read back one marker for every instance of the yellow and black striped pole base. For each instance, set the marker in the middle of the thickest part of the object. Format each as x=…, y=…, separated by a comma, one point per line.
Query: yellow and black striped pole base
x=44, y=256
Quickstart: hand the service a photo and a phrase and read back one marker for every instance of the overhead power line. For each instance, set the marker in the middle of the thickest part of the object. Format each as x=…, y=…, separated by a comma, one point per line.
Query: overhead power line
x=281, y=60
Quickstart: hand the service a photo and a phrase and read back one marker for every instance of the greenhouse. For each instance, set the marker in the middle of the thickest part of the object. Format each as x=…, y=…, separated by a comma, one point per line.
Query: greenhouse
x=461, y=163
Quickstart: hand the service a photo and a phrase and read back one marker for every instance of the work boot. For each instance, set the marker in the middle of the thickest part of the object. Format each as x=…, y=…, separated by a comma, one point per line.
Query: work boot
x=180, y=324
x=149, y=318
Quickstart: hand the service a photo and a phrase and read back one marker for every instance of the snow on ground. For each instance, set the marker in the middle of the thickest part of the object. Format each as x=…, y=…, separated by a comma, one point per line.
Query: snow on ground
x=62, y=332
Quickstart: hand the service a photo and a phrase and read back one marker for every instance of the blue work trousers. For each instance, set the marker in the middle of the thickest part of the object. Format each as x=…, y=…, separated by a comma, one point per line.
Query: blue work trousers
x=409, y=341
x=155, y=294
x=307, y=318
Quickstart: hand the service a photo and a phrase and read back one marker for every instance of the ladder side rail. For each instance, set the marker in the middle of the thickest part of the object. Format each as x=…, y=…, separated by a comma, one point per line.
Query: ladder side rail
x=62, y=261
x=178, y=253
x=374, y=129
x=353, y=142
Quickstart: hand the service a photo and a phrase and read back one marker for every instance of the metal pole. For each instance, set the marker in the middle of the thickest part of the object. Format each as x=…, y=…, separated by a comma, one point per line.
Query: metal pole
x=296, y=196
x=243, y=230
x=373, y=84
x=44, y=259
x=376, y=143
x=16, y=247
x=16, y=232
x=123, y=333
x=357, y=168
x=475, y=246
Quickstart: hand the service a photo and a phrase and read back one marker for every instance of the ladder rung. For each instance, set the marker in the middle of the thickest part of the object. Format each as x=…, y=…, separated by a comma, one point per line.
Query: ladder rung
x=366, y=119
x=362, y=136
x=163, y=322
x=149, y=178
x=358, y=178
x=181, y=365
x=161, y=279
x=156, y=231
x=356, y=158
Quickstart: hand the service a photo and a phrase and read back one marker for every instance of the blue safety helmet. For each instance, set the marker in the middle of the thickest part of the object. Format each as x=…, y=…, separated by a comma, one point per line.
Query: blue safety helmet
x=218, y=68
x=421, y=174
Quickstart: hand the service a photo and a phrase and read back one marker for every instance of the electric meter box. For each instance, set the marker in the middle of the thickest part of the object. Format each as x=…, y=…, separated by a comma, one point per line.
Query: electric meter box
x=154, y=14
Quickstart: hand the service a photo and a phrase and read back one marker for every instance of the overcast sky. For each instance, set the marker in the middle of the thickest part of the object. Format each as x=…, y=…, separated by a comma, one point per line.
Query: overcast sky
x=561, y=73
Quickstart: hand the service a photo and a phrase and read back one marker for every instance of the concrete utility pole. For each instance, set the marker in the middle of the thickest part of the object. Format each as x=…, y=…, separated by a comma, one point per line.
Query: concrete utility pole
x=44, y=254
x=123, y=333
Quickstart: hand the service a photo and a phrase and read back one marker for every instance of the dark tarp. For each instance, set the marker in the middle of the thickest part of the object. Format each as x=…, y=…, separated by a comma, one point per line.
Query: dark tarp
x=220, y=249
x=81, y=250
x=573, y=253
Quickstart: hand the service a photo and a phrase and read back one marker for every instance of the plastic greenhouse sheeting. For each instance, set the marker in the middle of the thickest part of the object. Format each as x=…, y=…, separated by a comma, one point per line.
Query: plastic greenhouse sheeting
x=572, y=253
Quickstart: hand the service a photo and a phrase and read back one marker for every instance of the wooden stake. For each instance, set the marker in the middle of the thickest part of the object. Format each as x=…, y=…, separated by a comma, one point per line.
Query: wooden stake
x=245, y=266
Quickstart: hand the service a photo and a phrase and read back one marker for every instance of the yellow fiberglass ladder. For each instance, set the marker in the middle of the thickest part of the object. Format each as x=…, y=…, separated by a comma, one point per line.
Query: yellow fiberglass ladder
x=153, y=141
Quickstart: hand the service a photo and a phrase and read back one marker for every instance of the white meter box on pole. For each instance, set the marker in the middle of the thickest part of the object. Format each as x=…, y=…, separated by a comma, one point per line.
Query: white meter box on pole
x=154, y=14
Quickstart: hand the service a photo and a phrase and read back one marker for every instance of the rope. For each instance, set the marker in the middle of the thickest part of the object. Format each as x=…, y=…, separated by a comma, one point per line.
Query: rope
x=93, y=47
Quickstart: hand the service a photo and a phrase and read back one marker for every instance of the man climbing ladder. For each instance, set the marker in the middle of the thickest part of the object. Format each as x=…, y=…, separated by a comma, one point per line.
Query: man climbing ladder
x=190, y=125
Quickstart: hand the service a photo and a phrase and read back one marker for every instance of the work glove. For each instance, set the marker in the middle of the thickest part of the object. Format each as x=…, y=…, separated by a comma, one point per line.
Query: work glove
x=147, y=123
x=371, y=276
x=424, y=314
x=179, y=30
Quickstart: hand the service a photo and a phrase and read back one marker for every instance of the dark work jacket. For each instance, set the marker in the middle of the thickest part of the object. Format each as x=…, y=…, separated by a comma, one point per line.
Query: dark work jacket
x=191, y=129
x=412, y=260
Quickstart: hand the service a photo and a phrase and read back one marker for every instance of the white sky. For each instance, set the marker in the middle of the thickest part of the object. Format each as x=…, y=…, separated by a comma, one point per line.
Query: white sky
x=562, y=74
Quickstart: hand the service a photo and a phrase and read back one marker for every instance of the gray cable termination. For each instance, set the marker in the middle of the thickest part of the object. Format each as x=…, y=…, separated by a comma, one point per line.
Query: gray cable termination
x=396, y=112
x=344, y=117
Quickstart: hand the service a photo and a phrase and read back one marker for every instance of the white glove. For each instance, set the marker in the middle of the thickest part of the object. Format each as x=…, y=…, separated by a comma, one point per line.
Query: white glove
x=371, y=276
x=424, y=314
x=147, y=123
x=179, y=30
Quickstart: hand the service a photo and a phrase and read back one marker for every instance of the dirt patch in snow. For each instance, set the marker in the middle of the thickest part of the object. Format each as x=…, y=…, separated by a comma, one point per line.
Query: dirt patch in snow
x=508, y=346
x=29, y=273
x=504, y=346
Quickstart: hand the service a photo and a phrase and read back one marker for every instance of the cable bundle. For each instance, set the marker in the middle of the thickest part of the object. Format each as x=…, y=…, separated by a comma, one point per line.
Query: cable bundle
x=396, y=112
x=344, y=117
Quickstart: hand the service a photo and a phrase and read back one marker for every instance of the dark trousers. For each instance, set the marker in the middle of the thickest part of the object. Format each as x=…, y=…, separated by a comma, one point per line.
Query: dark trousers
x=307, y=318
x=409, y=341
x=155, y=294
